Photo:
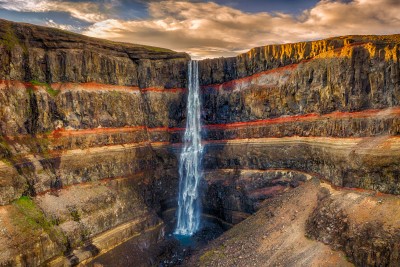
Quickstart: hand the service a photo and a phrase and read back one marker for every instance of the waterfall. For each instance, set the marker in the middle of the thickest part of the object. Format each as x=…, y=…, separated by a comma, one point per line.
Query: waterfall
x=190, y=173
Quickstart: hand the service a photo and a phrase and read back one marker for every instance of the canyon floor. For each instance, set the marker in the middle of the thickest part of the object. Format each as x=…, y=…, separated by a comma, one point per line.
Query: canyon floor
x=314, y=224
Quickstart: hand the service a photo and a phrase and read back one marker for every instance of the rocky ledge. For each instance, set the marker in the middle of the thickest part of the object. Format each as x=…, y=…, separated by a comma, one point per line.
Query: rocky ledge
x=312, y=225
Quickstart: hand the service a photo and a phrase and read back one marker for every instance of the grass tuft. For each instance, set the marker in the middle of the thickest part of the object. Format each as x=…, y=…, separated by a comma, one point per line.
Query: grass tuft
x=51, y=91
x=9, y=40
x=34, y=217
x=31, y=221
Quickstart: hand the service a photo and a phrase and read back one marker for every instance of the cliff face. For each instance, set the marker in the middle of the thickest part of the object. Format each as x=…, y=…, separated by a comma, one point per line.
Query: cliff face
x=279, y=114
x=90, y=131
x=50, y=55
x=333, y=104
x=84, y=126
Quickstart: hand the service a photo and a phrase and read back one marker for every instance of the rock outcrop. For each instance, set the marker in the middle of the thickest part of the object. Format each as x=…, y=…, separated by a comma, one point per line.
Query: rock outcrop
x=90, y=131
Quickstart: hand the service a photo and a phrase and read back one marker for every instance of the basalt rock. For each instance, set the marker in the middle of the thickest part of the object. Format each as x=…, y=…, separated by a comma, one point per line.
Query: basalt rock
x=77, y=120
x=312, y=225
x=349, y=78
x=367, y=242
x=50, y=55
x=259, y=59
x=312, y=92
x=234, y=194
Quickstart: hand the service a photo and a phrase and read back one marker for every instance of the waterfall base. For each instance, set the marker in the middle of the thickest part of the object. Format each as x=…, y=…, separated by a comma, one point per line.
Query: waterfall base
x=160, y=247
x=182, y=247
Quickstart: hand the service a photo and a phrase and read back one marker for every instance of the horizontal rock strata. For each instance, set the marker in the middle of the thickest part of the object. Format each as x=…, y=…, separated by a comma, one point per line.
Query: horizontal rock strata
x=280, y=107
x=329, y=109
x=80, y=141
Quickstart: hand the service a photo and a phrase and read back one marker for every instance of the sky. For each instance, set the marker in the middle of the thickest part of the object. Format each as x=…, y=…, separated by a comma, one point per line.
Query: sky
x=208, y=29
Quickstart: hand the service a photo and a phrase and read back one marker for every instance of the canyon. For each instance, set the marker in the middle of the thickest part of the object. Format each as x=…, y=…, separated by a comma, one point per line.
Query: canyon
x=301, y=149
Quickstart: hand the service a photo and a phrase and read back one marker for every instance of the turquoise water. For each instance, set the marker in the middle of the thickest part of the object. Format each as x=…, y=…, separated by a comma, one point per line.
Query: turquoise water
x=185, y=240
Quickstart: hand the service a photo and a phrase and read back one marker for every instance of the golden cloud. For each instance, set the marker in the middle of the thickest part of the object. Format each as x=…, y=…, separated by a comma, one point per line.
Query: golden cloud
x=86, y=11
x=210, y=30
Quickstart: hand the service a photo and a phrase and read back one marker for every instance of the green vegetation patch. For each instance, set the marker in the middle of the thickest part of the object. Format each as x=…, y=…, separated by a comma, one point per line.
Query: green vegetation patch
x=8, y=39
x=5, y=149
x=51, y=91
x=36, y=145
x=29, y=91
x=157, y=49
x=75, y=214
x=31, y=221
x=32, y=217
x=208, y=256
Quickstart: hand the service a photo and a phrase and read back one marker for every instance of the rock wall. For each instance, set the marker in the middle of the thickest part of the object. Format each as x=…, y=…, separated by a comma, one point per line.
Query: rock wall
x=85, y=128
x=328, y=107
x=279, y=114
x=50, y=55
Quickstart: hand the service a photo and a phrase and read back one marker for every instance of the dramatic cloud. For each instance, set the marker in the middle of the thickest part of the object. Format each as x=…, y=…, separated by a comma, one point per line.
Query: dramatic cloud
x=86, y=11
x=66, y=27
x=209, y=29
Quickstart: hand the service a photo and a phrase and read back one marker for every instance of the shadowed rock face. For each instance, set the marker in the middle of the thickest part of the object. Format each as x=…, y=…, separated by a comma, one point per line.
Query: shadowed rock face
x=91, y=129
x=50, y=55
x=84, y=132
x=365, y=237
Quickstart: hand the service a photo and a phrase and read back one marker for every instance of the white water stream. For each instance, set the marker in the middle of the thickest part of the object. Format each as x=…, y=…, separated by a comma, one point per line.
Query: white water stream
x=188, y=214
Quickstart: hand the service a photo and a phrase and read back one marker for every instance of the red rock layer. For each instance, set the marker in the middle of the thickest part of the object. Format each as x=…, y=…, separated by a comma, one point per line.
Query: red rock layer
x=90, y=86
x=372, y=113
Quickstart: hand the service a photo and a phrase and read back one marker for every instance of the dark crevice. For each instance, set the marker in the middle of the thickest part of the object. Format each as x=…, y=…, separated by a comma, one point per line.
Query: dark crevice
x=31, y=124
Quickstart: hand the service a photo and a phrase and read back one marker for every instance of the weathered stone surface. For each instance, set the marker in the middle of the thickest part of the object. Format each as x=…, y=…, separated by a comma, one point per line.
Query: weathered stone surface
x=50, y=55
x=337, y=124
x=216, y=71
x=234, y=194
x=370, y=163
x=29, y=109
x=343, y=87
x=359, y=226
x=355, y=79
x=273, y=236
x=366, y=233
x=70, y=218
x=75, y=124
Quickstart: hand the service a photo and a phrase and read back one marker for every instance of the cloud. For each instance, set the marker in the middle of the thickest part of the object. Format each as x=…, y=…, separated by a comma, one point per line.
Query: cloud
x=84, y=10
x=65, y=27
x=209, y=29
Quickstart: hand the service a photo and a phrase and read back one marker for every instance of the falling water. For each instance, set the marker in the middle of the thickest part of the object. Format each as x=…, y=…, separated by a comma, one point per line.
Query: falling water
x=190, y=173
